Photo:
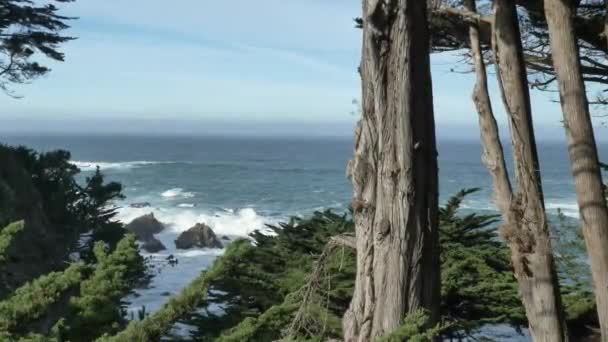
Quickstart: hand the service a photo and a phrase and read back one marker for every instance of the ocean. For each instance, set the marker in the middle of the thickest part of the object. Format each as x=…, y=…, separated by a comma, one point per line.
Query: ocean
x=239, y=184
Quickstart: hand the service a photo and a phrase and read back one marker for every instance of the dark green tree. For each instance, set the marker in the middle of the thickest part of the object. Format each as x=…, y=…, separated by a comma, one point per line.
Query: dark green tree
x=28, y=30
x=54, y=177
x=477, y=282
x=57, y=205
x=6, y=236
x=31, y=302
x=86, y=207
x=96, y=210
x=98, y=308
x=261, y=286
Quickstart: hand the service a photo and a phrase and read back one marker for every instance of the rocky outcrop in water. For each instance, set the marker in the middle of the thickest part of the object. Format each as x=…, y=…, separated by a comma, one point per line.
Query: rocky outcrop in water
x=153, y=245
x=199, y=236
x=144, y=228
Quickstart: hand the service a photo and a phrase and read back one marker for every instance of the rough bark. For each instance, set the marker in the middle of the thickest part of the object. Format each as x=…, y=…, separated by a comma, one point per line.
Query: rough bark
x=528, y=235
x=590, y=29
x=450, y=24
x=394, y=174
x=492, y=153
x=605, y=22
x=582, y=150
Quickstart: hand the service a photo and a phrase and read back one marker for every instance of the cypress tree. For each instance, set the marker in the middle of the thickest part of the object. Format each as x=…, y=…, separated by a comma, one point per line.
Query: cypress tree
x=97, y=310
x=29, y=29
x=31, y=301
x=6, y=236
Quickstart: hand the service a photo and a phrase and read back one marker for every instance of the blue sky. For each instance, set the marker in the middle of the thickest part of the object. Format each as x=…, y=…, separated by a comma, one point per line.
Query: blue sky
x=223, y=64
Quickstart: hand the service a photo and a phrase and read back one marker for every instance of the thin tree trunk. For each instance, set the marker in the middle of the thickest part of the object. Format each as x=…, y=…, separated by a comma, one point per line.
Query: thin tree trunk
x=605, y=22
x=582, y=149
x=394, y=174
x=528, y=235
x=492, y=155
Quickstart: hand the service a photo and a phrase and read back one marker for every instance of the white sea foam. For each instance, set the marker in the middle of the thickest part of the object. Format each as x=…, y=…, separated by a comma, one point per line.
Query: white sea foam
x=193, y=253
x=188, y=253
x=238, y=223
x=186, y=205
x=478, y=205
x=92, y=165
x=190, y=262
x=568, y=208
x=177, y=192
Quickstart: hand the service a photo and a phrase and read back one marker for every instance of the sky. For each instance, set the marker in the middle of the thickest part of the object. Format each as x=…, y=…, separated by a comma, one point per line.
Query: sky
x=224, y=66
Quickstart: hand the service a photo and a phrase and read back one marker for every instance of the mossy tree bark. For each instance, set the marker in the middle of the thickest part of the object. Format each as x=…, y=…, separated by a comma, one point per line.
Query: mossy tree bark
x=582, y=149
x=527, y=233
x=394, y=173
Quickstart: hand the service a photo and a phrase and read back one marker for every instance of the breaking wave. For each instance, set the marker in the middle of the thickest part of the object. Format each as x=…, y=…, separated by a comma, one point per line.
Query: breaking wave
x=237, y=223
x=92, y=165
x=177, y=192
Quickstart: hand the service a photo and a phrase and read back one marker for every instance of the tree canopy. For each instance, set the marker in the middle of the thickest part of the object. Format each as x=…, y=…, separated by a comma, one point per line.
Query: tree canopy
x=30, y=32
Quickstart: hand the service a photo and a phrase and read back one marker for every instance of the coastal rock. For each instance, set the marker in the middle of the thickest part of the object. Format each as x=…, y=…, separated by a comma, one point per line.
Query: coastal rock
x=153, y=245
x=144, y=228
x=200, y=236
x=139, y=205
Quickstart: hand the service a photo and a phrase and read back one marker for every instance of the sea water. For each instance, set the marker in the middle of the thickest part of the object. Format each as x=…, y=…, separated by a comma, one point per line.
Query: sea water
x=239, y=184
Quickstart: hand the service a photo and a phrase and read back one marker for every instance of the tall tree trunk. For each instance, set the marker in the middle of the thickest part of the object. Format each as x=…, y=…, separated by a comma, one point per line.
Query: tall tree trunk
x=528, y=234
x=582, y=149
x=394, y=174
x=492, y=156
x=605, y=22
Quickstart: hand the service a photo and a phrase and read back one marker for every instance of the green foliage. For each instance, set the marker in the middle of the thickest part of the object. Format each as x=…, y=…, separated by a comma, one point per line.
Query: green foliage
x=466, y=230
x=268, y=276
x=478, y=286
x=7, y=200
x=153, y=327
x=32, y=300
x=6, y=236
x=95, y=209
x=43, y=190
x=18, y=195
x=141, y=313
x=288, y=283
x=27, y=29
x=97, y=310
x=71, y=207
x=55, y=335
x=477, y=282
x=260, y=275
x=571, y=253
x=414, y=329
x=265, y=327
x=65, y=201
x=574, y=275
x=54, y=178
